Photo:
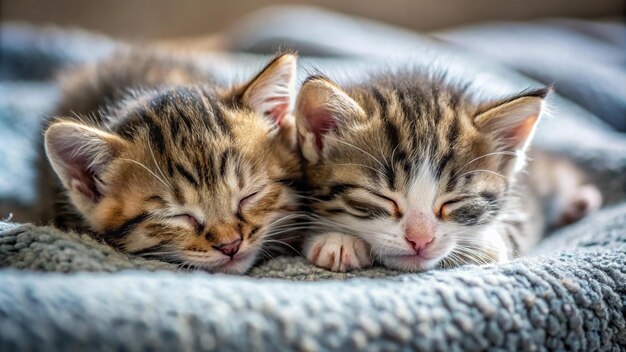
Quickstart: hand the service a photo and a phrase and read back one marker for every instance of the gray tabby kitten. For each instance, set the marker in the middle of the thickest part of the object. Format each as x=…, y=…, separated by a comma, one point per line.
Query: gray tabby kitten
x=412, y=172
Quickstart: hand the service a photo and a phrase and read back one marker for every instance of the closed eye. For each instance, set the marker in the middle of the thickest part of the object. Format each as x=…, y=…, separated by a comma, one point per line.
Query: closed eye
x=246, y=200
x=372, y=203
x=448, y=207
x=387, y=199
x=188, y=219
x=154, y=199
x=470, y=210
x=365, y=209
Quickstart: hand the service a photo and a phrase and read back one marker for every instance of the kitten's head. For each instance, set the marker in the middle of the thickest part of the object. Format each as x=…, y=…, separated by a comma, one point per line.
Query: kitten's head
x=191, y=174
x=412, y=166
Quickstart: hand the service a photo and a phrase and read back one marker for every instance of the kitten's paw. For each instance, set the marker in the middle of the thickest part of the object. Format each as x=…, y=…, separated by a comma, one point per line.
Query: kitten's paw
x=337, y=252
x=584, y=201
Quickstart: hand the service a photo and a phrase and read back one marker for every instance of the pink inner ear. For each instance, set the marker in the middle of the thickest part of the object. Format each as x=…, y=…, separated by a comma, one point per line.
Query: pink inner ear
x=78, y=172
x=85, y=183
x=279, y=109
x=518, y=135
x=321, y=121
x=88, y=190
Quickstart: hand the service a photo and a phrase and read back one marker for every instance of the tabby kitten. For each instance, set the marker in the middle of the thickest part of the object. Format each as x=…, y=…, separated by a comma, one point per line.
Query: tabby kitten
x=158, y=159
x=413, y=172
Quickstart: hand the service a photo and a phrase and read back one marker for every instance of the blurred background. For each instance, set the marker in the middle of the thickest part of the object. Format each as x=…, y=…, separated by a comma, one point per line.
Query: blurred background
x=149, y=19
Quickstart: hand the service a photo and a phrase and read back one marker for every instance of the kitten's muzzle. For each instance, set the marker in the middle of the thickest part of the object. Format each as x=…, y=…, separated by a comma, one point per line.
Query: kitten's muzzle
x=229, y=249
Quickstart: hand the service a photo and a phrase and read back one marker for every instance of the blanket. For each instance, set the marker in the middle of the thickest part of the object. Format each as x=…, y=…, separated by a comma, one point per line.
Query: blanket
x=67, y=291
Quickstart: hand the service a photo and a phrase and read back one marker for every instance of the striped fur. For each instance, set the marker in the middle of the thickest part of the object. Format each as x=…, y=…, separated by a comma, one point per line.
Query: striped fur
x=412, y=154
x=157, y=159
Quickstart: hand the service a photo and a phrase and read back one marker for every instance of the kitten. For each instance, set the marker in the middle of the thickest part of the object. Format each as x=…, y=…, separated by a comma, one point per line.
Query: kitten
x=410, y=171
x=158, y=159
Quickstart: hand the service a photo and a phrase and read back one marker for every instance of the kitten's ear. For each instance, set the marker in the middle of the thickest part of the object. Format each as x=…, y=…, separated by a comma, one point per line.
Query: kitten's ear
x=320, y=109
x=79, y=154
x=272, y=92
x=512, y=122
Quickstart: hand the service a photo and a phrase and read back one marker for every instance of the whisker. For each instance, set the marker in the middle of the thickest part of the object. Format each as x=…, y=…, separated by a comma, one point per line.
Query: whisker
x=482, y=170
x=393, y=154
x=157, y=165
x=357, y=148
x=150, y=171
x=355, y=164
x=480, y=157
x=284, y=244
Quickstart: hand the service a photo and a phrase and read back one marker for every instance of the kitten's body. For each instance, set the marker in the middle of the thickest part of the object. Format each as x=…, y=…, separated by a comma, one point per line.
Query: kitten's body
x=157, y=158
x=411, y=170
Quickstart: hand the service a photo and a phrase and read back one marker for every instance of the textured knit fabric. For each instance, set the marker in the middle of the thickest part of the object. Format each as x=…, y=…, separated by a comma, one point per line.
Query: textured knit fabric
x=569, y=298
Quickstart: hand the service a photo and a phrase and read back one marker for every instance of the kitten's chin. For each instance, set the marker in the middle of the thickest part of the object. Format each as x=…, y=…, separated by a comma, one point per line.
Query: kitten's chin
x=238, y=265
x=411, y=262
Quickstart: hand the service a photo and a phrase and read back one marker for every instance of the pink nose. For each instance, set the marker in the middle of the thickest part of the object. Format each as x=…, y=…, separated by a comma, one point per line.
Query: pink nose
x=230, y=249
x=419, y=231
x=419, y=243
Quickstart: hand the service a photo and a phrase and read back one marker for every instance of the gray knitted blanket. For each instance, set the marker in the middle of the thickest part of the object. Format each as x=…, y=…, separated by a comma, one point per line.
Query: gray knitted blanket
x=66, y=291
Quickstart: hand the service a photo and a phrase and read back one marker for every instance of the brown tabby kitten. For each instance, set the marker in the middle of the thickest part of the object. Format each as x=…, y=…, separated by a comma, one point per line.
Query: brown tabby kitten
x=411, y=171
x=156, y=158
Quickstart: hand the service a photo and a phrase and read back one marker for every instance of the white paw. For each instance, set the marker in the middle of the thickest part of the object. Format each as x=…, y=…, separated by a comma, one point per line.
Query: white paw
x=337, y=252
